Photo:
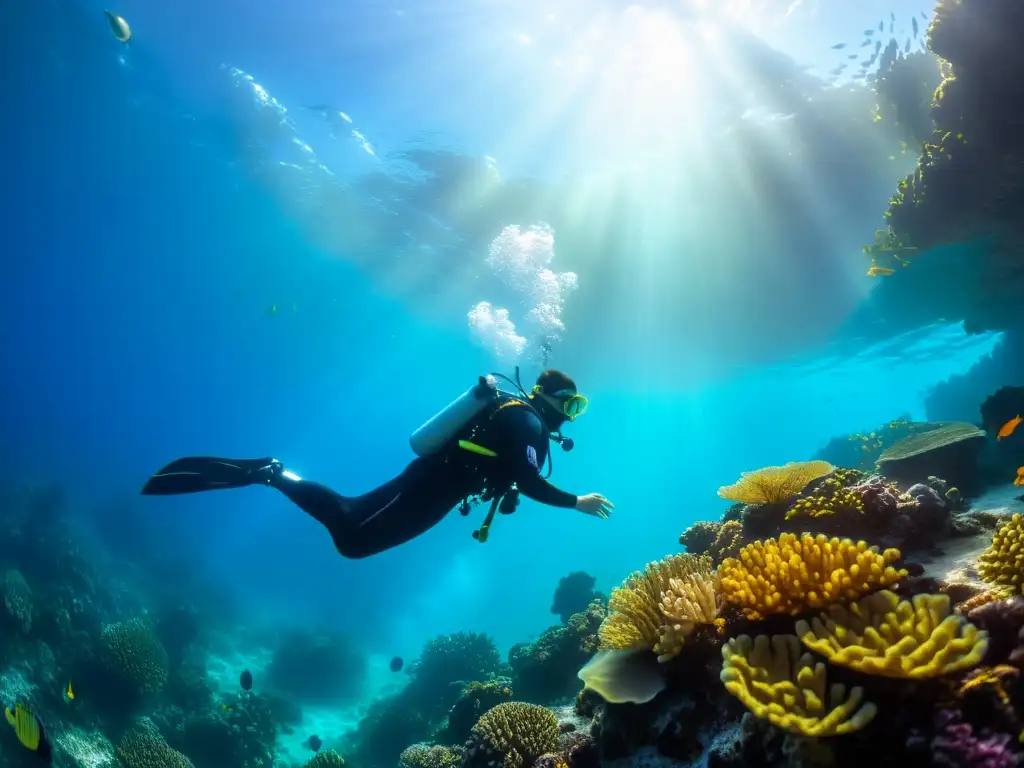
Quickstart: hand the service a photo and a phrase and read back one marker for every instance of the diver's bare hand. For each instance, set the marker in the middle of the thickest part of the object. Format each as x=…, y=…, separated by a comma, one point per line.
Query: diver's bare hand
x=595, y=504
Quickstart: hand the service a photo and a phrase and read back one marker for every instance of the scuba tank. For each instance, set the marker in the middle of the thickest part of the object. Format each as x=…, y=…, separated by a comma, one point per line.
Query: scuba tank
x=432, y=436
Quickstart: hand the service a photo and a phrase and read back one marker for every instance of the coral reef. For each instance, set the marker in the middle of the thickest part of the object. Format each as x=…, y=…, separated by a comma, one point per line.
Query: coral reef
x=636, y=617
x=512, y=735
x=883, y=635
x=544, y=671
x=949, y=450
x=476, y=700
x=427, y=756
x=774, y=485
x=779, y=684
x=144, y=747
x=1002, y=564
x=573, y=594
x=791, y=574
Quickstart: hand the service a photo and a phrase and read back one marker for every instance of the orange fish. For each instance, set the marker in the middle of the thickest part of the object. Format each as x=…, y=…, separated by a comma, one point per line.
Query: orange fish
x=1020, y=476
x=876, y=271
x=1007, y=429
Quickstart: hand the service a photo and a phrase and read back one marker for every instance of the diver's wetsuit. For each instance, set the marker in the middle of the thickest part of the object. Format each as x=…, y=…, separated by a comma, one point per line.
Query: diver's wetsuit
x=410, y=504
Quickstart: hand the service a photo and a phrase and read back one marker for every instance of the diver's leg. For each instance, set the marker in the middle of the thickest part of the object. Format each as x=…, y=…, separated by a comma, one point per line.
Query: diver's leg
x=193, y=474
x=387, y=516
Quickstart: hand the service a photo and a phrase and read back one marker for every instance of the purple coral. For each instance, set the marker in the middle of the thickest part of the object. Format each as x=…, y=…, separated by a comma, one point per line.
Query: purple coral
x=956, y=745
x=1004, y=622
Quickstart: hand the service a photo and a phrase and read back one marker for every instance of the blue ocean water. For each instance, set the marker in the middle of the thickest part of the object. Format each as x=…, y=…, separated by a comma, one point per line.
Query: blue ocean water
x=197, y=262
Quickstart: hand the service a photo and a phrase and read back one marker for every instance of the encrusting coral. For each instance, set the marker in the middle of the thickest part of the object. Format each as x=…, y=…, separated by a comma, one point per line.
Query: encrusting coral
x=776, y=683
x=831, y=496
x=1002, y=563
x=635, y=619
x=883, y=635
x=774, y=485
x=512, y=735
x=792, y=574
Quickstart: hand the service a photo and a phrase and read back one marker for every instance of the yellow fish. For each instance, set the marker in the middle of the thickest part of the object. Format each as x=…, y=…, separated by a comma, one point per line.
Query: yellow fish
x=29, y=730
x=876, y=271
x=1020, y=476
x=119, y=27
x=1007, y=429
x=69, y=694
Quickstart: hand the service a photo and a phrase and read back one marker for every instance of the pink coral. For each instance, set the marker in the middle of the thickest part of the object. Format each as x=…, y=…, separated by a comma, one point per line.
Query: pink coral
x=957, y=745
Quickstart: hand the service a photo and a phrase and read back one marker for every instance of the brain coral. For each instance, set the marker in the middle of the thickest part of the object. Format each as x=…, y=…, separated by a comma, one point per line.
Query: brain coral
x=513, y=735
x=144, y=747
x=791, y=574
x=132, y=652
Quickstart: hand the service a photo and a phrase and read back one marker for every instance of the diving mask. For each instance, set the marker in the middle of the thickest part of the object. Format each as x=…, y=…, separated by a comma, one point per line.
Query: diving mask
x=573, y=403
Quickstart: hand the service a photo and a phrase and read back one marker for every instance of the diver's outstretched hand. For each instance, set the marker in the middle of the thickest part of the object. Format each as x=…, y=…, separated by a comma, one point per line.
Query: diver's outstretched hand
x=595, y=504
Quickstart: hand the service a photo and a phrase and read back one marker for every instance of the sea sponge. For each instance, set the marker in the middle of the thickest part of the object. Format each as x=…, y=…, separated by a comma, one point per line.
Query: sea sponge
x=144, y=747
x=1002, y=563
x=18, y=599
x=328, y=759
x=635, y=618
x=132, y=652
x=773, y=485
x=513, y=735
x=883, y=635
x=791, y=574
x=778, y=684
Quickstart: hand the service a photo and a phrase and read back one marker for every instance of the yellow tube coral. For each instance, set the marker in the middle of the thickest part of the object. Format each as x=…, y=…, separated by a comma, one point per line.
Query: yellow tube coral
x=791, y=574
x=883, y=635
x=1002, y=563
x=773, y=485
x=635, y=618
x=778, y=684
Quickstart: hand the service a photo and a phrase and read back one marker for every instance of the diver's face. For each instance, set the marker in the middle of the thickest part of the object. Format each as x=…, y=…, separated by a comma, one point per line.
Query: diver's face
x=554, y=415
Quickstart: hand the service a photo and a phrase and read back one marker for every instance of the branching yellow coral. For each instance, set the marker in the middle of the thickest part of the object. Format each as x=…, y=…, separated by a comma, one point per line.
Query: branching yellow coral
x=635, y=618
x=883, y=635
x=689, y=601
x=1002, y=563
x=831, y=496
x=773, y=485
x=727, y=542
x=778, y=684
x=791, y=574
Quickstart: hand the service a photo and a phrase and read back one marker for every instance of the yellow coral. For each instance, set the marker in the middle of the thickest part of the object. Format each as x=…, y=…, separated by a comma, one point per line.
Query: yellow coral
x=772, y=485
x=1002, y=563
x=514, y=734
x=831, y=496
x=688, y=601
x=635, y=618
x=791, y=574
x=778, y=684
x=883, y=635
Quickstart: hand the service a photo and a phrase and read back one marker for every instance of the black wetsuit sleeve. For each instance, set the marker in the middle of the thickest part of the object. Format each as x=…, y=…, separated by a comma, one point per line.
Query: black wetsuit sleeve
x=524, y=446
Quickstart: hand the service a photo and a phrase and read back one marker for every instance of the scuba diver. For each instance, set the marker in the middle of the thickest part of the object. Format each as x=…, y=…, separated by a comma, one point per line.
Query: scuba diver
x=487, y=445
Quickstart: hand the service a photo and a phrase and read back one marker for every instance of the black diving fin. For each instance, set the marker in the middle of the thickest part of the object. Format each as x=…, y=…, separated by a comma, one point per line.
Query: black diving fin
x=193, y=474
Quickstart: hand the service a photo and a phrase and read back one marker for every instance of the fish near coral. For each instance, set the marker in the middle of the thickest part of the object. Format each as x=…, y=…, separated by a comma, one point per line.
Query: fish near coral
x=314, y=743
x=30, y=731
x=1007, y=429
x=245, y=680
x=1019, y=480
x=624, y=676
